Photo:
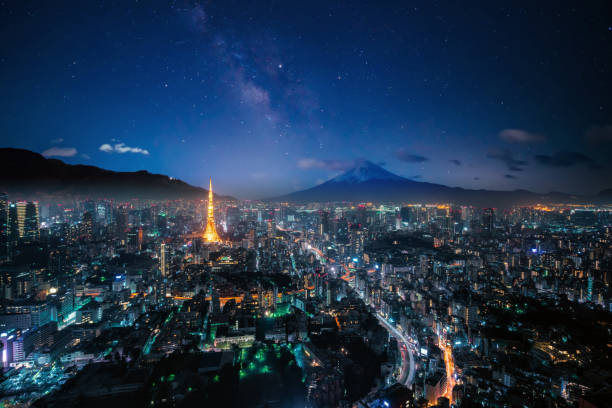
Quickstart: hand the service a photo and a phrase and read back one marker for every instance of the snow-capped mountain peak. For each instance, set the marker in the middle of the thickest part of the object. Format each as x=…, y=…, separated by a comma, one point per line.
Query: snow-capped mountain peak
x=365, y=171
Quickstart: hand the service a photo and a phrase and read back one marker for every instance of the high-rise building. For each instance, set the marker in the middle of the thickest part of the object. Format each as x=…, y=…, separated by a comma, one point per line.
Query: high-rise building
x=140, y=238
x=232, y=217
x=163, y=260
x=21, y=210
x=356, y=241
x=31, y=225
x=121, y=223
x=488, y=220
x=3, y=225
x=27, y=220
x=13, y=224
x=324, y=223
x=271, y=229
x=210, y=234
x=87, y=226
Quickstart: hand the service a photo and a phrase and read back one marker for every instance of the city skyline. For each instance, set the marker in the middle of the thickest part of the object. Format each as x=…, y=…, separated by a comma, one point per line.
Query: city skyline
x=412, y=204
x=274, y=98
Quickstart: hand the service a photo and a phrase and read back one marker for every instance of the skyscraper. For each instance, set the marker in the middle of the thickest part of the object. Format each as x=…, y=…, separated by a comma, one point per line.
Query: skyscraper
x=3, y=225
x=87, y=226
x=232, y=218
x=163, y=260
x=488, y=220
x=27, y=220
x=30, y=223
x=13, y=225
x=271, y=226
x=21, y=210
x=210, y=234
x=323, y=223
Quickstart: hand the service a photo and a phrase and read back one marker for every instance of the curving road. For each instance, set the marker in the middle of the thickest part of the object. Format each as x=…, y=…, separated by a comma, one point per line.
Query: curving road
x=407, y=372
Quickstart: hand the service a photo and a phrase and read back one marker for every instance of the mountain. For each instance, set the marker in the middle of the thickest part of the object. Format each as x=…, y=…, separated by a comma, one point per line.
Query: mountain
x=368, y=182
x=366, y=171
x=28, y=175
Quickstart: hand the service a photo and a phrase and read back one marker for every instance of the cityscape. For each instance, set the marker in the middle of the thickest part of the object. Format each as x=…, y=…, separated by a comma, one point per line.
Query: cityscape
x=215, y=217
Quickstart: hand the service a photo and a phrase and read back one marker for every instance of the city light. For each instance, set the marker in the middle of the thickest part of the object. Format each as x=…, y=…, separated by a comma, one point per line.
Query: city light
x=412, y=204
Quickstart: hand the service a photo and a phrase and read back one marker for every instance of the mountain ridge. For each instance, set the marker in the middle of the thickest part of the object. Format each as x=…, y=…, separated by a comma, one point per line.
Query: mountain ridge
x=355, y=186
x=25, y=175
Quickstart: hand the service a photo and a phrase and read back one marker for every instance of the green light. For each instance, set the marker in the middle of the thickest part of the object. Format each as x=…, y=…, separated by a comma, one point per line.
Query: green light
x=171, y=377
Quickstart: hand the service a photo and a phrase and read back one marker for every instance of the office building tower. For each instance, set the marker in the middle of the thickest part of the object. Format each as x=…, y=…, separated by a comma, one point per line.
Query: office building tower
x=27, y=220
x=488, y=220
x=21, y=210
x=13, y=225
x=31, y=225
x=271, y=229
x=163, y=260
x=324, y=223
x=87, y=226
x=4, y=205
x=232, y=218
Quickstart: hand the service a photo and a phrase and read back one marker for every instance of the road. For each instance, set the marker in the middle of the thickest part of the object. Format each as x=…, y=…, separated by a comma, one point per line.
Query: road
x=403, y=344
x=407, y=372
x=450, y=368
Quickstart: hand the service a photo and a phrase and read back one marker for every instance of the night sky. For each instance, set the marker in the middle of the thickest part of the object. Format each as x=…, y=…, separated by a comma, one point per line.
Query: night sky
x=269, y=97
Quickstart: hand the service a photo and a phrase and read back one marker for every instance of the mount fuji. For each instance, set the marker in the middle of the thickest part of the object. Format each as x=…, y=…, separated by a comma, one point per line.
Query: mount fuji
x=369, y=182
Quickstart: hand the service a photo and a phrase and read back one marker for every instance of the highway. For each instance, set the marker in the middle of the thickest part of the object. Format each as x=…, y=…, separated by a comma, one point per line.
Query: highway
x=407, y=371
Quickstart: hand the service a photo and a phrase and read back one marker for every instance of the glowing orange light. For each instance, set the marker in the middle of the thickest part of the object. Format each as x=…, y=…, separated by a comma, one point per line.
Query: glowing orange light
x=210, y=234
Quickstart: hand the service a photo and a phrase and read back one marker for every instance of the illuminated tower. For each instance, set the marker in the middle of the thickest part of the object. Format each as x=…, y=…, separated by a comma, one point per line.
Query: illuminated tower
x=210, y=234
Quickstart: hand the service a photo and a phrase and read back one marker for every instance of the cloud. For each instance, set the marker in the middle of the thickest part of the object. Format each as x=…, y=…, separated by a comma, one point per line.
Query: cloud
x=507, y=157
x=599, y=134
x=566, y=159
x=456, y=162
x=520, y=136
x=476, y=178
x=405, y=156
x=330, y=165
x=60, y=152
x=85, y=156
x=510, y=176
x=57, y=141
x=416, y=177
x=122, y=148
